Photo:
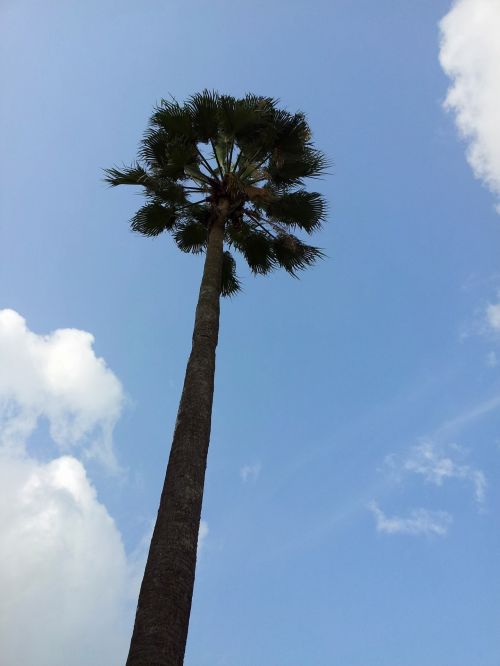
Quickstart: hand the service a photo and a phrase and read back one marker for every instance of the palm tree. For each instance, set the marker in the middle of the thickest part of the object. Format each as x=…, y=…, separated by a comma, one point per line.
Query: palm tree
x=219, y=174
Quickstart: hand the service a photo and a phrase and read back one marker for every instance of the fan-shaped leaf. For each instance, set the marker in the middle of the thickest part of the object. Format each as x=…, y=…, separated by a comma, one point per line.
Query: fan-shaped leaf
x=199, y=213
x=191, y=236
x=175, y=120
x=166, y=156
x=292, y=254
x=133, y=175
x=230, y=283
x=241, y=119
x=255, y=246
x=302, y=209
x=169, y=191
x=204, y=110
x=288, y=169
x=152, y=219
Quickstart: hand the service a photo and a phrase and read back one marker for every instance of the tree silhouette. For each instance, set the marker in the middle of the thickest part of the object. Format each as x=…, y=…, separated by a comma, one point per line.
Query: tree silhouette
x=220, y=174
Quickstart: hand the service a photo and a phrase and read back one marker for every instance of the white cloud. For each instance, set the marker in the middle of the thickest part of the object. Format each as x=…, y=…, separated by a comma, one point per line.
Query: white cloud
x=68, y=587
x=59, y=377
x=420, y=522
x=493, y=311
x=436, y=464
x=250, y=472
x=470, y=56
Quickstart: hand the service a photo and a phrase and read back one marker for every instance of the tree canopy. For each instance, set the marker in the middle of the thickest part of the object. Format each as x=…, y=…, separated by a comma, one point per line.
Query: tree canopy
x=246, y=151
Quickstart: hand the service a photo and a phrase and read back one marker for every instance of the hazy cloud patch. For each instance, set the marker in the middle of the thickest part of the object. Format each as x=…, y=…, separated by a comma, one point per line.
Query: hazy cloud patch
x=492, y=359
x=250, y=472
x=493, y=314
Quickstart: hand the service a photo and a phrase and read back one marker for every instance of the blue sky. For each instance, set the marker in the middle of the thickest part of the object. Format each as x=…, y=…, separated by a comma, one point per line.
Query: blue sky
x=351, y=508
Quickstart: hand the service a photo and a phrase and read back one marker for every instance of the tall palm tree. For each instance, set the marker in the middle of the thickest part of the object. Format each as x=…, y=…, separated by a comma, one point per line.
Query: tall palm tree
x=219, y=174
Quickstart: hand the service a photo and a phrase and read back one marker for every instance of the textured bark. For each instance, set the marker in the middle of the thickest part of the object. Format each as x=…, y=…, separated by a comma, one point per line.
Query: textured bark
x=162, y=618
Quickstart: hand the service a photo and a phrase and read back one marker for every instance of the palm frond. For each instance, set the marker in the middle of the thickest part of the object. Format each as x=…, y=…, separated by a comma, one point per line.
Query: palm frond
x=287, y=132
x=306, y=210
x=230, y=283
x=204, y=111
x=290, y=169
x=133, y=175
x=199, y=213
x=153, y=218
x=167, y=156
x=255, y=246
x=170, y=192
x=191, y=236
x=175, y=121
x=293, y=255
x=242, y=119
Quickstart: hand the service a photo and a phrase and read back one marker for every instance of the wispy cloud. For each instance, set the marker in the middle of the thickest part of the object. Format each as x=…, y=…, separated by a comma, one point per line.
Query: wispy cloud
x=419, y=522
x=470, y=56
x=436, y=464
x=453, y=426
x=250, y=472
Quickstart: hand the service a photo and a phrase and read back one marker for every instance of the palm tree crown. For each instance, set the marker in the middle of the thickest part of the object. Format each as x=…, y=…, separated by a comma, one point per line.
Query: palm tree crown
x=246, y=152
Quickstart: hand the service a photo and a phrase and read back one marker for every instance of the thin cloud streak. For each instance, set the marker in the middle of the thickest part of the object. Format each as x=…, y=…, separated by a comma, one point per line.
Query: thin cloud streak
x=420, y=522
x=455, y=425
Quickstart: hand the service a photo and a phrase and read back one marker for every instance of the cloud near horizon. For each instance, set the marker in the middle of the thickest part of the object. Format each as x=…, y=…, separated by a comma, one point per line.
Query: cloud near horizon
x=470, y=57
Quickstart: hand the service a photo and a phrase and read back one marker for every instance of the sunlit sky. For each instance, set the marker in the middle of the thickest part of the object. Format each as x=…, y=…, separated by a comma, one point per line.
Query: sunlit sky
x=351, y=507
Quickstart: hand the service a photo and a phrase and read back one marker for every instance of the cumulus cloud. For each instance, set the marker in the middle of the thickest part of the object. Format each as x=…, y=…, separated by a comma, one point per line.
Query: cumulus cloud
x=68, y=587
x=419, y=522
x=250, y=472
x=436, y=464
x=470, y=56
x=57, y=377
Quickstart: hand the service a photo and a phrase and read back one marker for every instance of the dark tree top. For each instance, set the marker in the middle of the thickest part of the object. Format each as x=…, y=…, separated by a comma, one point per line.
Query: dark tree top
x=246, y=152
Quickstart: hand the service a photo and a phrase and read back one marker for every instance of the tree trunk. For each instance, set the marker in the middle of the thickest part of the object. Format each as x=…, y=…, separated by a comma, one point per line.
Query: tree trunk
x=162, y=617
